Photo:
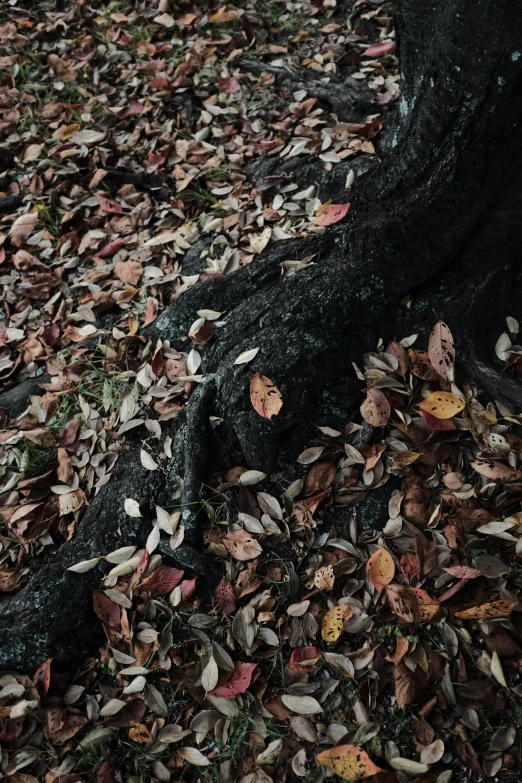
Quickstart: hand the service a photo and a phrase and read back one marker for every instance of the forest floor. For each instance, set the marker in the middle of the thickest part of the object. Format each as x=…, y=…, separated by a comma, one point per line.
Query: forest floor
x=143, y=149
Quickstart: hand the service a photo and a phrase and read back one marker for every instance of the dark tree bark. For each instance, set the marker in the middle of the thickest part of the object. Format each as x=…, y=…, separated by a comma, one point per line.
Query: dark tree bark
x=438, y=219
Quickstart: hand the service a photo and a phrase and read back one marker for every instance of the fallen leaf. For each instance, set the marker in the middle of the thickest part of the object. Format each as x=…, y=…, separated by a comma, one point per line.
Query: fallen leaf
x=303, y=705
x=265, y=396
x=334, y=621
x=233, y=683
x=442, y=405
x=333, y=213
x=324, y=578
x=349, y=762
x=487, y=611
x=241, y=545
x=224, y=598
x=376, y=408
x=381, y=568
x=441, y=349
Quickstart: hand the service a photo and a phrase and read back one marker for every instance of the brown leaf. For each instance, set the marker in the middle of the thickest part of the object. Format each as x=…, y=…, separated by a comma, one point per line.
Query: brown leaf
x=381, y=568
x=108, y=611
x=128, y=272
x=265, y=396
x=496, y=470
x=403, y=603
x=241, y=545
x=321, y=477
x=406, y=686
x=427, y=553
x=224, y=598
x=376, y=408
x=65, y=470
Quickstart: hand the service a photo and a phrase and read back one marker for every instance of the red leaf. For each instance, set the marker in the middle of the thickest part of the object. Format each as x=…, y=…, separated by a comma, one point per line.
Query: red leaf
x=187, y=587
x=133, y=108
x=438, y=424
x=163, y=580
x=143, y=563
x=108, y=611
x=332, y=214
x=302, y=655
x=42, y=677
x=224, y=598
x=105, y=774
x=377, y=50
x=229, y=85
x=235, y=682
x=111, y=249
x=107, y=205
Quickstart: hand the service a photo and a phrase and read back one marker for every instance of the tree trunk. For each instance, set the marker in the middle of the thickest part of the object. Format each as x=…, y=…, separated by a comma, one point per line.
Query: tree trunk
x=437, y=219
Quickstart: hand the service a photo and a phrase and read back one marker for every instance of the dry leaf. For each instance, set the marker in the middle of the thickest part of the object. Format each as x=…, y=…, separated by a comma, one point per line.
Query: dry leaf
x=349, y=762
x=381, y=568
x=303, y=705
x=334, y=621
x=376, y=408
x=487, y=611
x=330, y=214
x=241, y=545
x=265, y=396
x=442, y=405
x=441, y=349
x=324, y=578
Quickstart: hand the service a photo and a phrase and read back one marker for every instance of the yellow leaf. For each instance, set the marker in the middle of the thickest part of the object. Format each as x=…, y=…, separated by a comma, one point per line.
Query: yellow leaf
x=427, y=606
x=334, y=622
x=265, y=396
x=487, y=611
x=349, y=762
x=381, y=568
x=442, y=405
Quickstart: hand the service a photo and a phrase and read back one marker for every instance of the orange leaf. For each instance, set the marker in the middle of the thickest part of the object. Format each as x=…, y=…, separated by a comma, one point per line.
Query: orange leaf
x=487, y=611
x=265, y=396
x=334, y=621
x=381, y=568
x=332, y=214
x=442, y=405
x=349, y=762
x=376, y=408
x=428, y=607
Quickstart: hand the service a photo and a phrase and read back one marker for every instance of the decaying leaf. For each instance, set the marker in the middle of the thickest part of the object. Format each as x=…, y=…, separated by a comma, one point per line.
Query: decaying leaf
x=486, y=611
x=324, y=578
x=241, y=545
x=442, y=405
x=349, y=762
x=441, y=349
x=334, y=621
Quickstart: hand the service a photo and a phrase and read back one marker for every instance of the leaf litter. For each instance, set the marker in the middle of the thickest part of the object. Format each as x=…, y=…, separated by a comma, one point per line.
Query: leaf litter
x=355, y=650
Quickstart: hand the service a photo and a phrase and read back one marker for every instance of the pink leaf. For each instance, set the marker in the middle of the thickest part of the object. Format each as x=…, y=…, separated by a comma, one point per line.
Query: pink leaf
x=163, y=580
x=107, y=205
x=377, y=50
x=229, y=85
x=111, y=249
x=187, y=587
x=332, y=214
x=133, y=108
x=438, y=424
x=235, y=682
